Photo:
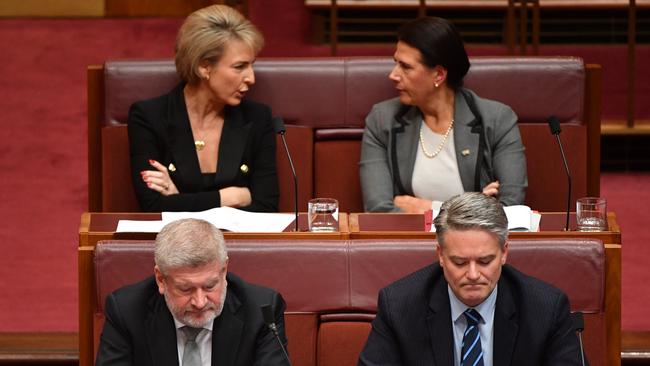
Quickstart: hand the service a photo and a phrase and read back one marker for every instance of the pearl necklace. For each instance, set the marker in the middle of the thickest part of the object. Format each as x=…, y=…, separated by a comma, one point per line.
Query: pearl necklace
x=442, y=144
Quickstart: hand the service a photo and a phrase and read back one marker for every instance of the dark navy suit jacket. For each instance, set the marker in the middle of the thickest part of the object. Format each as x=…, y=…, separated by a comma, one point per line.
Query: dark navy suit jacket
x=532, y=324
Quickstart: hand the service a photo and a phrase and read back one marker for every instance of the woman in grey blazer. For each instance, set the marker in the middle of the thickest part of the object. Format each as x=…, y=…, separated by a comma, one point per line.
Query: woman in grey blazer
x=437, y=139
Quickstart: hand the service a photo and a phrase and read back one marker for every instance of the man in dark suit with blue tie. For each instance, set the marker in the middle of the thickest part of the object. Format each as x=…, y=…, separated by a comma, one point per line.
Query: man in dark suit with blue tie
x=471, y=308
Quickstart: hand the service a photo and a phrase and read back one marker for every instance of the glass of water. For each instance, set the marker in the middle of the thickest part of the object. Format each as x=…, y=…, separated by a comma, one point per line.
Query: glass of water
x=591, y=214
x=323, y=215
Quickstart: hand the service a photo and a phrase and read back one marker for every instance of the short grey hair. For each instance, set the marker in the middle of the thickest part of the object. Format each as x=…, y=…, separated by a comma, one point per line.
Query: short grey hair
x=204, y=36
x=469, y=211
x=189, y=243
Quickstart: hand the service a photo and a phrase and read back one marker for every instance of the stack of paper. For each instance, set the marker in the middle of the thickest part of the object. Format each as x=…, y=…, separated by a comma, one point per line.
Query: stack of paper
x=225, y=218
x=520, y=218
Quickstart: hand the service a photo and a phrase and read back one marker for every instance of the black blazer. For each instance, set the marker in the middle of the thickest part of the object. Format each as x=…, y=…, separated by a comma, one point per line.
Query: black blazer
x=139, y=329
x=413, y=326
x=159, y=129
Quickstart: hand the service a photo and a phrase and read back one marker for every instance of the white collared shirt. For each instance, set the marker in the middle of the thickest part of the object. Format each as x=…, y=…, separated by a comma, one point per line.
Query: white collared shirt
x=485, y=326
x=203, y=341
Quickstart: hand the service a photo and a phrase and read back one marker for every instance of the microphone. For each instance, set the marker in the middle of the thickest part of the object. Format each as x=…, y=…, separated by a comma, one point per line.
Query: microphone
x=554, y=124
x=269, y=319
x=278, y=126
x=579, y=326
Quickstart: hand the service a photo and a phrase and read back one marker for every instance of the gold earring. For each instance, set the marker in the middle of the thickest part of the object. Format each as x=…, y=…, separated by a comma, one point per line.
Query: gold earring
x=436, y=84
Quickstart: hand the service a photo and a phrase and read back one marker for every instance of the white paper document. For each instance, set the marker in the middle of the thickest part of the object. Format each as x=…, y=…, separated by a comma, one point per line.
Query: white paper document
x=225, y=218
x=232, y=219
x=136, y=226
x=520, y=218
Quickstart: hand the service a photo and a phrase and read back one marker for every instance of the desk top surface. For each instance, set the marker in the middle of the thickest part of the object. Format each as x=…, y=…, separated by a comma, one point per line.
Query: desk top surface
x=552, y=224
x=102, y=225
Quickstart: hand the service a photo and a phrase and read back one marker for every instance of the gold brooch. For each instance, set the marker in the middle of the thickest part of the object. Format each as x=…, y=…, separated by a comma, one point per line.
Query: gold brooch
x=464, y=152
x=244, y=168
x=171, y=168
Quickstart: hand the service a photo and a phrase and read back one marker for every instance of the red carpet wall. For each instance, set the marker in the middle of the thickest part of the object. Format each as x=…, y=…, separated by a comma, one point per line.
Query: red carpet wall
x=43, y=152
x=43, y=170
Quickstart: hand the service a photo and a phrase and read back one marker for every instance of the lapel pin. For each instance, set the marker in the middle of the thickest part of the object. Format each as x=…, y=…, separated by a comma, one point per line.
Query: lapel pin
x=171, y=168
x=244, y=168
x=464, y=152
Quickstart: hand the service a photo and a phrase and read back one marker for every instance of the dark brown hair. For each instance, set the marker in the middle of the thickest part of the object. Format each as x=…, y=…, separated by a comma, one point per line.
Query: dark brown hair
x=439, y=43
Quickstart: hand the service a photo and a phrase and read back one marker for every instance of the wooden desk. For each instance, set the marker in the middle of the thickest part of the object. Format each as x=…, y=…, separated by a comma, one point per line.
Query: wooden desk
x=39, y=348
x=411, y=226
x=405, y=226
x=96, y=226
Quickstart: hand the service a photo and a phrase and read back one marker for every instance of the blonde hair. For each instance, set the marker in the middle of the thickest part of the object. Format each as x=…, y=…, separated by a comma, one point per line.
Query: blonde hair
x=204, y=35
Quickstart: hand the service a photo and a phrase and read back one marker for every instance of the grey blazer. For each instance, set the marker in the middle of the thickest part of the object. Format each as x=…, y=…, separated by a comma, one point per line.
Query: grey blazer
x=389, y=149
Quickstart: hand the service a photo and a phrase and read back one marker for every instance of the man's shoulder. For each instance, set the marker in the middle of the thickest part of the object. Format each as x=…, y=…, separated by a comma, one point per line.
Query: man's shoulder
x=416, y=284
x=529, y=289
x=137, y=293
x=135, y=302
x=247, y=290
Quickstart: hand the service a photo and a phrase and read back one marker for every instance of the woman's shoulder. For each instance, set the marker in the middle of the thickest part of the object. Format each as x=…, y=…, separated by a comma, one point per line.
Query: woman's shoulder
x=258, y=113
x=382, y=114
x=251, y=106
x=390, y=106
x=485, y=104
x=495, y=114
x=158, y=103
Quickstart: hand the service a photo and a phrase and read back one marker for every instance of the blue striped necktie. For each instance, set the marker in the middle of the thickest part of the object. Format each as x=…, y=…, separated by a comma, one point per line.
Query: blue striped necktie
x=471, y=351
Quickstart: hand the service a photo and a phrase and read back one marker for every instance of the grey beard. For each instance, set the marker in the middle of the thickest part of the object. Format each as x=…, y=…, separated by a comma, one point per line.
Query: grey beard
x=214, y=312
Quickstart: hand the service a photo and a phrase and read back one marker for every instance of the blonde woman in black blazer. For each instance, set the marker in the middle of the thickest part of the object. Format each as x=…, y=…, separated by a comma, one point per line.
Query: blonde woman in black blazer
x=203, y=145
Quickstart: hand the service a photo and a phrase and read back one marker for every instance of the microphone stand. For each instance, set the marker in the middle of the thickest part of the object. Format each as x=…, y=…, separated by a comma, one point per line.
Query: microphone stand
x=579, y=326
x=554, y=124
x=274, y=330
x=278, y=126
x=295, y=180
x=566, y=168
x=267, y=314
